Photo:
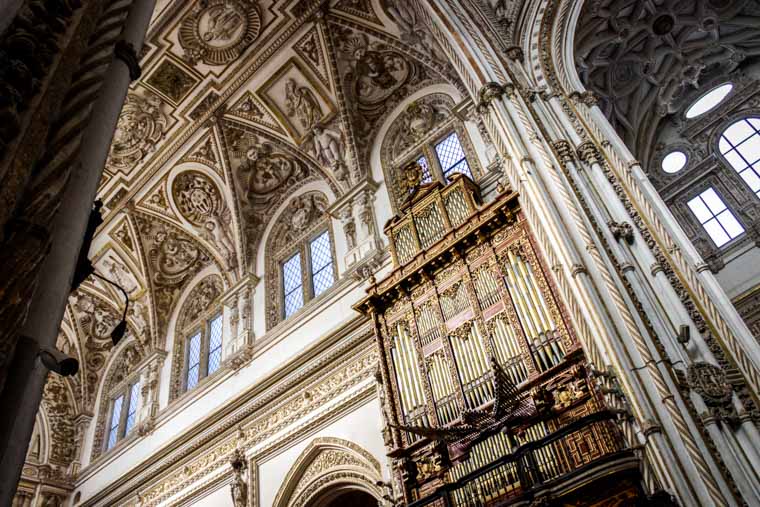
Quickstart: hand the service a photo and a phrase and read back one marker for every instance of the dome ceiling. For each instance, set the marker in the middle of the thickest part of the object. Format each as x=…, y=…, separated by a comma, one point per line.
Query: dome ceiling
x=647, y=60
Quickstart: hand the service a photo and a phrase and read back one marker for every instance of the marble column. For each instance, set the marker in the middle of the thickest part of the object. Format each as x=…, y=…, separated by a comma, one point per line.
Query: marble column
x=22, y=396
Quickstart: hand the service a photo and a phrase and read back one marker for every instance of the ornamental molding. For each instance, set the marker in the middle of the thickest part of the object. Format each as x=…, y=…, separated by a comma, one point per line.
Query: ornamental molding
x=209, y=452
x=324, y=457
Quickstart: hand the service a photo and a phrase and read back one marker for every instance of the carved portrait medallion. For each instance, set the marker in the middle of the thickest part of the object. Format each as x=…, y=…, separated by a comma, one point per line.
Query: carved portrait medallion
x=218, y=31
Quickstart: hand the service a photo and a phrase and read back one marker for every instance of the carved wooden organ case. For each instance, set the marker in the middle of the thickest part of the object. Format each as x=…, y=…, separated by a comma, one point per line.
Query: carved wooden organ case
x=470, y=300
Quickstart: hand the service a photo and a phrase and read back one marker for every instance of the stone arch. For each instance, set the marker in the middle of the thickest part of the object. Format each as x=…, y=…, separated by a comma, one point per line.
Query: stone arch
x=329, y=463
x=299, y=217
x=202, y=296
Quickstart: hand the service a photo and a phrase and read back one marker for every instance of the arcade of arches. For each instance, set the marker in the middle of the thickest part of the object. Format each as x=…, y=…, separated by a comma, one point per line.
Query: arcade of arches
x=326, y=253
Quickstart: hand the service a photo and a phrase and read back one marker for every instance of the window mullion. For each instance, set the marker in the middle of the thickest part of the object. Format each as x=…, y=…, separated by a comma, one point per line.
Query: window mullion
x=121, y=431
x=433, y=162
x=306, y=272
x=203, y=367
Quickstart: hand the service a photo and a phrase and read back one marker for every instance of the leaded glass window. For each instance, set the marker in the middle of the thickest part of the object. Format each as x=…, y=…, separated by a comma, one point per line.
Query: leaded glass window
x=292, y=284
x=307, y=273
x=204, y=351
x=113, y=428
x=451, y=156
x=740, y=146
x=321, y=263
x=427, y=176
x=214, y=344
x=123, y=414
x=715, y=217
x=193, y=361
x=134, y=396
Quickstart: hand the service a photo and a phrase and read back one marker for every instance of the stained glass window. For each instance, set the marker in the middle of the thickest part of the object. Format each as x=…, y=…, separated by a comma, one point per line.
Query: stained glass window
x=321, y=263
x=292, y=283
x=451, y=156
x=715, y=217
x=740, y=145
x=134, y=394
x=193, y=360
x=214, y=344
x=113, y=428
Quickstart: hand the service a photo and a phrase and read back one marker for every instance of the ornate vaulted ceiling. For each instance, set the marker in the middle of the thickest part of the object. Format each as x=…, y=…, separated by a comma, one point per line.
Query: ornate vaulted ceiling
x=646, y=60
x=240, y=104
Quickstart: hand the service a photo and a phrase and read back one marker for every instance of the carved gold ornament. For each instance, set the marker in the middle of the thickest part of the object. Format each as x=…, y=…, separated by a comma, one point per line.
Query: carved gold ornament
x=141, y=125
x=218, y=31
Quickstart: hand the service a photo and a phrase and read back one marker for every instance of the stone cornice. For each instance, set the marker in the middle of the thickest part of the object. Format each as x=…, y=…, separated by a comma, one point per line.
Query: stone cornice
x=307, y=368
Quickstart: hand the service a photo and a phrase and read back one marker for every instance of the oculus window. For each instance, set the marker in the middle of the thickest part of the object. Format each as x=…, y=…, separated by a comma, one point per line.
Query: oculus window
x=715, y=217
x=709, y=100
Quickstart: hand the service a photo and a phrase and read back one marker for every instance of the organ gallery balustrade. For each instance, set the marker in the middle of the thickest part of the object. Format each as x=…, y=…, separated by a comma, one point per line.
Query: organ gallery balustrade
x=478, y=358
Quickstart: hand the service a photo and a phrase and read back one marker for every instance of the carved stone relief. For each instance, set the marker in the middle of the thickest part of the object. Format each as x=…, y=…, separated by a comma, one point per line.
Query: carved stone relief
x=170, y=80
x=218, y=31
x=201, y=203
x=141, y=125
x=173, y=258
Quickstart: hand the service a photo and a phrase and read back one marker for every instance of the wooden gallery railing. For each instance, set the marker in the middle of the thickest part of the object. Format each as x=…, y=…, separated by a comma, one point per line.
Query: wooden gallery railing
x=470, y=300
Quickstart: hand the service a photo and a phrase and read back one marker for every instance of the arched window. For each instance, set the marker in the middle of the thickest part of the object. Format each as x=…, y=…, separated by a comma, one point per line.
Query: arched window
x=198, y=343
x=740, y=146
x=123, y=412
x=120, y=400
x=300, y=257
x=430, y=134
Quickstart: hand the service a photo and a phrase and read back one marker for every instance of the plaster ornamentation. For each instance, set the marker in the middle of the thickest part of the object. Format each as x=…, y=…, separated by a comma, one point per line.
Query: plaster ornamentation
x=141, y=125
x=216, y=32
x=201, y=303
x=324, y=457
x=261, y=427
x=711, y=383
x=201, y=203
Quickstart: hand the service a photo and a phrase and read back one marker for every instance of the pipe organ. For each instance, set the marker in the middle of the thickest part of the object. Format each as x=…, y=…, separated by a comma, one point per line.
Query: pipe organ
x=479, y=363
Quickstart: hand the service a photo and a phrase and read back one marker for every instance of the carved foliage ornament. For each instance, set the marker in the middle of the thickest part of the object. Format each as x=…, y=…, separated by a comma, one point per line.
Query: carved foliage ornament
x=141, y=125
x=218, y=31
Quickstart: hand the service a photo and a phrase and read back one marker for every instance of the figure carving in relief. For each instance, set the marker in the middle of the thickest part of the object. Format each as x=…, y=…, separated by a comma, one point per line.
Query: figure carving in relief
x=221, y=24
x=328, y=149
x=301, y=103
x=120, y=274
x=266, y=170
x=378, y=72
x=413, y=31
